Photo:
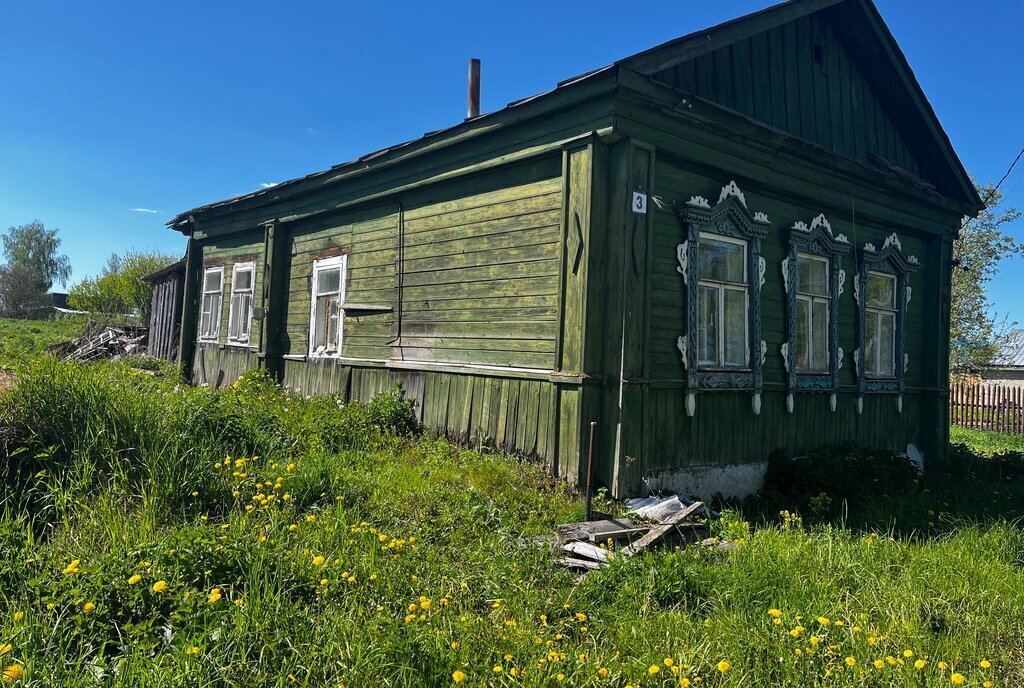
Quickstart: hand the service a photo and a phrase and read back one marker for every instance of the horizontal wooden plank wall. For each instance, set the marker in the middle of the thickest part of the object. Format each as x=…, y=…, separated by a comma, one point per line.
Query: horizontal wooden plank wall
x=774, y=77
x=370, y=238
x=511, y=413
x=724, y=429
x=227, y=252
x=480, y=270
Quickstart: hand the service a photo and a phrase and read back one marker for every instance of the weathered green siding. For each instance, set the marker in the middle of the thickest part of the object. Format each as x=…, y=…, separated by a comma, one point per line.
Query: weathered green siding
x=694, y=159
x=219, y=363
x=774, y=77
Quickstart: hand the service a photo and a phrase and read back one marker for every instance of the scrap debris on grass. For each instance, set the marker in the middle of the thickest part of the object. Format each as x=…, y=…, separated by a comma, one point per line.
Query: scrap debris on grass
x=103, y=341
x=658, y=519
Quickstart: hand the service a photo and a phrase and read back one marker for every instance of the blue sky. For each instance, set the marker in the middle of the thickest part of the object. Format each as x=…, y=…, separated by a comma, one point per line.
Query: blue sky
x=113, y=109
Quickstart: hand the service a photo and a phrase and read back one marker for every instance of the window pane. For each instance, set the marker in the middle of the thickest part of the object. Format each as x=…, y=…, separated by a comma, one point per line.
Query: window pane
x=243, y=279
x=803, y=334
x=707, y=325
x=887, y=328
x=819, y=335
x=735, y=318
x=881, y=291
x=328, y=281
x=812, y=276
x=871, y=343
x=246, y=306
x=211, y=281
x=721, y=260
x=204, y=318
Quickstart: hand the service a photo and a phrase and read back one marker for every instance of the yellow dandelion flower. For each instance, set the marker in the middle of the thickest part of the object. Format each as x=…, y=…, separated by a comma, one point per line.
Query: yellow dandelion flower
x=602, y=672
x=13, y=673
x=88, y=607
x=985, y=664
x=191, y=650
x=318, y=560
x=310, y=518
x=942, y=666
x=723, y=666
x=958, y=679
x=581, y=617
x=920, y=664
x=72, y=568
x=684, y=682
x=775, y=613
x=908, y=653
x=458, y=676
x=823, y=621
x=987, y=684
x=879, y=664
x=653, y=669
x=161, y=587
x=668, y=661
x=135, y=579
x=5, y=648
x=850, y=661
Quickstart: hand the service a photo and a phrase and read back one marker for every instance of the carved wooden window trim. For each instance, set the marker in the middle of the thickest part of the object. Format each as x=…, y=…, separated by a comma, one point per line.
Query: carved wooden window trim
x=729, y=218
x=889, y=260
x=814, y=240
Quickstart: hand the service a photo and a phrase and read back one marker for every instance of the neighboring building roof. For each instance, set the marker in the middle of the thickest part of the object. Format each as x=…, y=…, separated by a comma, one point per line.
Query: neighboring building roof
x=1011, y=351
x=873, y=38
x=178, y=266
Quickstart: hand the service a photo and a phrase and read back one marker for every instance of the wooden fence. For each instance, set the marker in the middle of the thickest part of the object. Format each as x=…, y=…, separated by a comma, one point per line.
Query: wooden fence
x=987, y=407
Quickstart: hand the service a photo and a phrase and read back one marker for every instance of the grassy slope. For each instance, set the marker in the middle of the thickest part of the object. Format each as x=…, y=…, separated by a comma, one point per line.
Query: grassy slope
x=424, y=571
x=22, y=340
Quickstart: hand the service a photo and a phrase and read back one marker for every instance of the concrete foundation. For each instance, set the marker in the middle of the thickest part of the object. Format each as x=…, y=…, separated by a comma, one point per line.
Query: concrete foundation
x=704, y=482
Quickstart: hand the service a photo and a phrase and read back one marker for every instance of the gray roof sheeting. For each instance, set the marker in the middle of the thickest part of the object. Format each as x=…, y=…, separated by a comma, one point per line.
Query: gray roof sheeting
x=1011, y=350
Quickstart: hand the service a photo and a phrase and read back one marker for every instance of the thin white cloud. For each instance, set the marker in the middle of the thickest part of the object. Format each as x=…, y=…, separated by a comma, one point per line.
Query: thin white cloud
x=144, y=210
x=267, y=185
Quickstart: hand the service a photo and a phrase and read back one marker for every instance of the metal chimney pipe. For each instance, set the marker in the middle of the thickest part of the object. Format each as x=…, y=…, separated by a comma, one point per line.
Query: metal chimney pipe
x=473, y=99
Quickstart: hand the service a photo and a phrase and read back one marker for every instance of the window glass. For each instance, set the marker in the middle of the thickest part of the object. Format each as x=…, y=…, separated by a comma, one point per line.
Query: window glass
x=886, y=343
x=721, y=261
x=803, y=334
x=819, y=335
x=240, y=311
x=210, y=306
x=812, y=275
x=326, y=313
x=735, y=313
x=707, y=325
x=881, y=290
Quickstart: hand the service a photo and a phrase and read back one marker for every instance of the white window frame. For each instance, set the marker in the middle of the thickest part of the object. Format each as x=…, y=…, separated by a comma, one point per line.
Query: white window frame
x=721, y=287
x=249, y=266
x=873, y=368
x=810, y=300
x=320, y=266
x=214, y=334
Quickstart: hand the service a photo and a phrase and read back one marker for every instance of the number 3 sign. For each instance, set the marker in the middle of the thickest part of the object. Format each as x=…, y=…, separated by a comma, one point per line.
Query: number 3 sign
x=639, y=203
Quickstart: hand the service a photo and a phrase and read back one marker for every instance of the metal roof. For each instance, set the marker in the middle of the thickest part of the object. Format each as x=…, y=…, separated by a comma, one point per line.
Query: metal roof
x=647, y=62
x=1011, y=351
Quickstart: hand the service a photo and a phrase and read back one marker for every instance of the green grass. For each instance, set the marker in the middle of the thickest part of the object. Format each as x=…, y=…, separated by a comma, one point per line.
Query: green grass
x=986, y=442
x=425, y=568
x=23, y=340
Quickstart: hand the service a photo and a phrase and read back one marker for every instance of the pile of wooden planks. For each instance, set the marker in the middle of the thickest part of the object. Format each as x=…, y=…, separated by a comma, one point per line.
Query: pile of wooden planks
x=585, y=546
x=103, y=341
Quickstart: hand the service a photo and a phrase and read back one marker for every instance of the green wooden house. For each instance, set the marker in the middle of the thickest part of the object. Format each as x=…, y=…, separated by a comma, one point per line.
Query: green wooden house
x=733, y=242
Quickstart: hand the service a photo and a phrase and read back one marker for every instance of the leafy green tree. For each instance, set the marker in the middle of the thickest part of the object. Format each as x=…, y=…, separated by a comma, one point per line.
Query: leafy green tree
x=975, y=328
x=32, y=266
x=121, y=287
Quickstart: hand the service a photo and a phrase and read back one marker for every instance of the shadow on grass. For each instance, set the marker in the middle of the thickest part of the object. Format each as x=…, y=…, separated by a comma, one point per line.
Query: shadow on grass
x=881, y=491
